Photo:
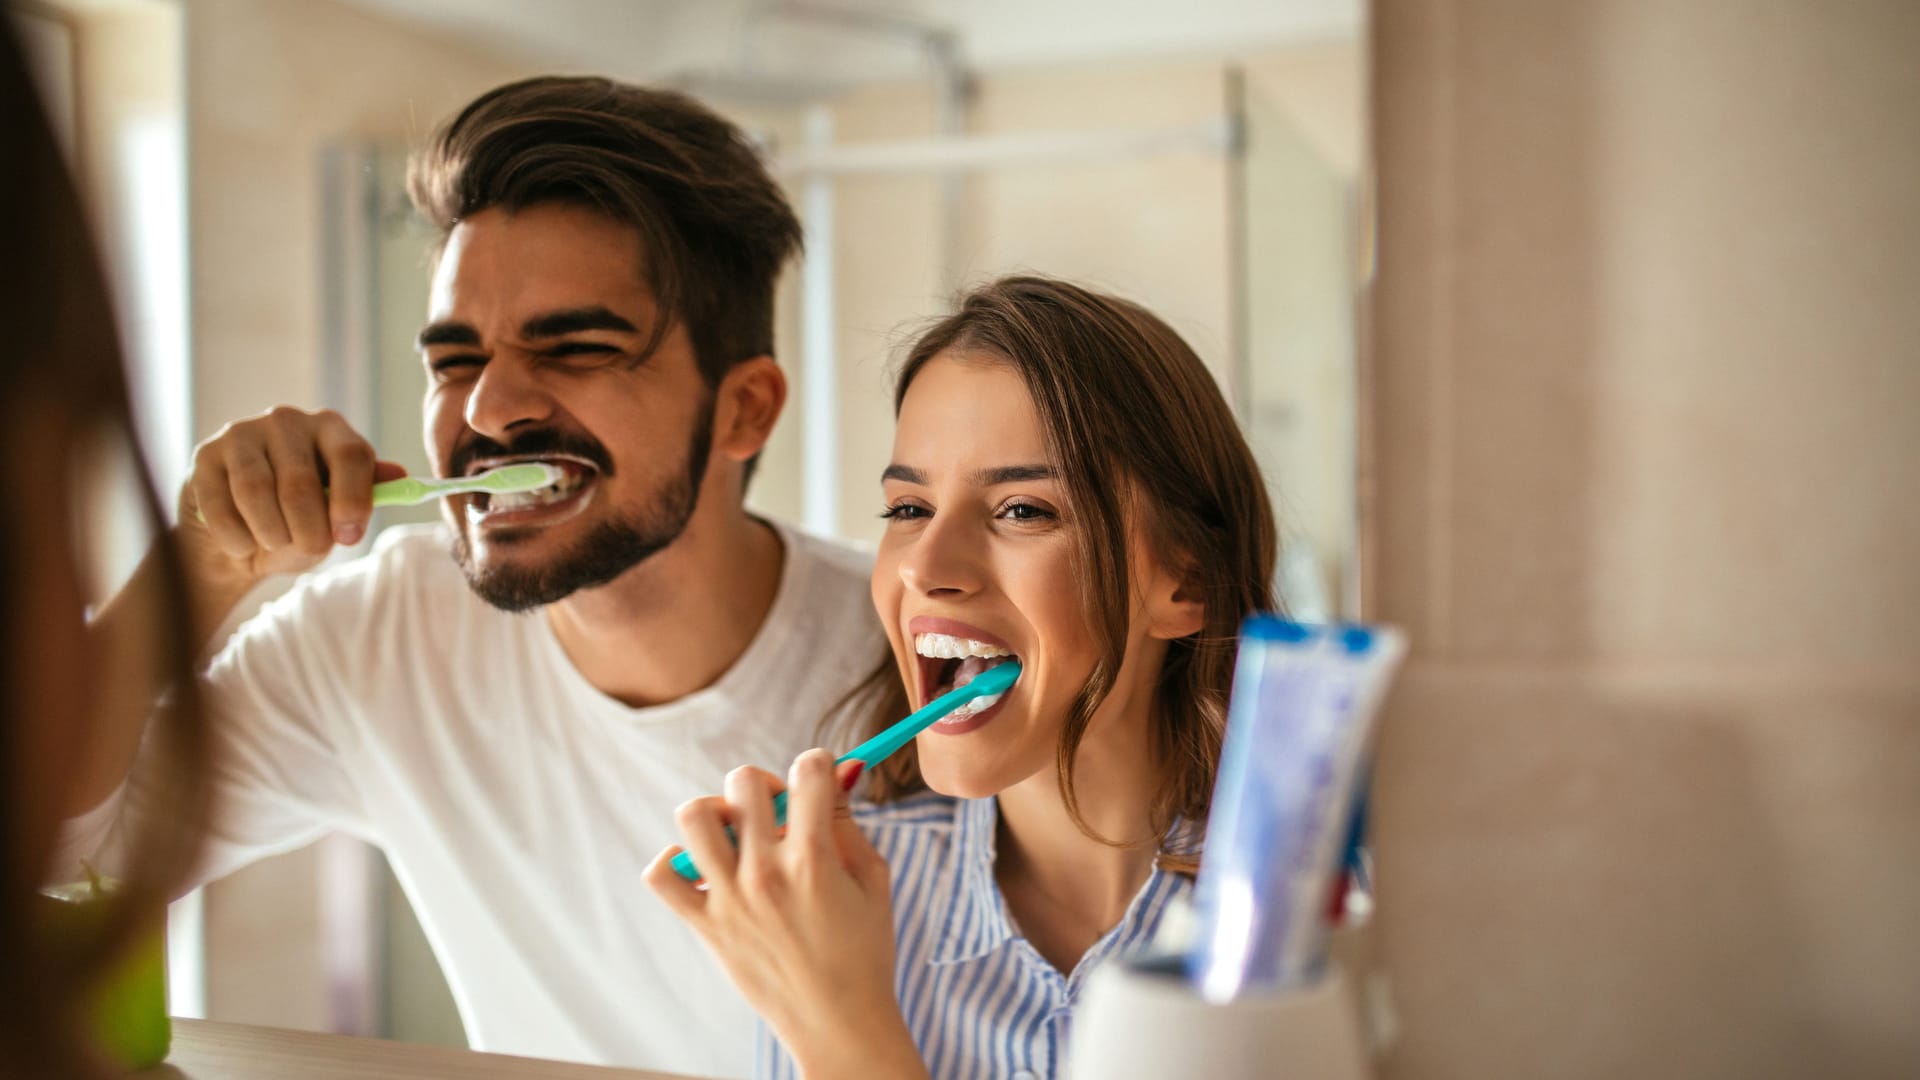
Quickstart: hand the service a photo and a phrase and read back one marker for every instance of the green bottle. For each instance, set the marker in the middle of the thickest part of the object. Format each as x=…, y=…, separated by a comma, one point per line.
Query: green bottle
x=128, y=1006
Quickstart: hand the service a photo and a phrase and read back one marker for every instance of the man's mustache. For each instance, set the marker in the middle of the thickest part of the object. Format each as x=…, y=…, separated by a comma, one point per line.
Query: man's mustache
x=531, y=444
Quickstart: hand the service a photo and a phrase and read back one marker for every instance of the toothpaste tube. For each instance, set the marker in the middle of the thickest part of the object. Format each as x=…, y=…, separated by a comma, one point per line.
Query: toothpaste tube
x=1298, y=728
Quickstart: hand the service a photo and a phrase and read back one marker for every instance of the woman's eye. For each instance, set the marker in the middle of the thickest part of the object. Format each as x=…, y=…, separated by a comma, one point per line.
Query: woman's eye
x=1026, y=512
x=905, y=512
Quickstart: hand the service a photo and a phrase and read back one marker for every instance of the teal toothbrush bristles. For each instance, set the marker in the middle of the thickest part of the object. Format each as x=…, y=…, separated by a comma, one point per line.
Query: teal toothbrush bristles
x=994, y=681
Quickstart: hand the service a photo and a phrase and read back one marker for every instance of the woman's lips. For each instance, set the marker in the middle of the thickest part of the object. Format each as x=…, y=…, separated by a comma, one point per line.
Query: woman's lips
x=936, y=624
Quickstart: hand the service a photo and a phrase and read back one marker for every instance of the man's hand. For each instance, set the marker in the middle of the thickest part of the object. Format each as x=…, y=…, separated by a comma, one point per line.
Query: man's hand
x=274, y=494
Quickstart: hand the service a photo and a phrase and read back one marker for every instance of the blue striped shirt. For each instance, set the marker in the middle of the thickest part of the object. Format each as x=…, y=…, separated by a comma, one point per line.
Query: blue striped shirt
x=979, y=1000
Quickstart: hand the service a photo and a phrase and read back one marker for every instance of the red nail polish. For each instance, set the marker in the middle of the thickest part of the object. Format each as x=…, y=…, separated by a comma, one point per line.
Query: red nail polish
x=854, y=776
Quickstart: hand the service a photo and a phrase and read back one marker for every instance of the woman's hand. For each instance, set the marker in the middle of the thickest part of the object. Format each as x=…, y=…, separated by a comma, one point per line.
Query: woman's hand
x=802, y=922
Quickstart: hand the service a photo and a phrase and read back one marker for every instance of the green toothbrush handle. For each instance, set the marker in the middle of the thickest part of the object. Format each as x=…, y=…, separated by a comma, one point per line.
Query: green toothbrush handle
x=406, y=491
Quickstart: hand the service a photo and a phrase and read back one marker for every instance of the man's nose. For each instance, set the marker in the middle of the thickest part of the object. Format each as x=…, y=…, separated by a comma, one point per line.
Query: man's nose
x=946, y=560
x=507, y=395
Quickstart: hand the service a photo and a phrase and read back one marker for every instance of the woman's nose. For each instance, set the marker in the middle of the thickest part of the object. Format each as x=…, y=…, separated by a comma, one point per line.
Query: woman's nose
x=944, y=559
x=506, y=395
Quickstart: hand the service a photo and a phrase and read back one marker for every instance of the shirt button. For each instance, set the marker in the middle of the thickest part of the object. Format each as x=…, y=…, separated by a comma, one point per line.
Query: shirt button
x=1024, y=1075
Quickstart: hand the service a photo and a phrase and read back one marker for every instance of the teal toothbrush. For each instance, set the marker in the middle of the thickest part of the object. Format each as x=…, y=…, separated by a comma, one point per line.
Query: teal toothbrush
x=994, y=681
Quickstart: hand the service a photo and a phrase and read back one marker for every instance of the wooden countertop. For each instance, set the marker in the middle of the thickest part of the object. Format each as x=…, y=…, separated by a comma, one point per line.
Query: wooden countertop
x=209, y=1050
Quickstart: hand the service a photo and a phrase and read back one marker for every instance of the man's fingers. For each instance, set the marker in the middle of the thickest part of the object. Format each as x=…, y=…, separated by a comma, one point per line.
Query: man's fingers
x=212, y=499
x=256, y=492
x=296, y=472
x=384, y=471
x=349, y=463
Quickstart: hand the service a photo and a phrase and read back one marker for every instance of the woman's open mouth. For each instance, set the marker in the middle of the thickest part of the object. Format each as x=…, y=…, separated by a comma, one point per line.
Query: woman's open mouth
x=545, y=506
x=948, y=662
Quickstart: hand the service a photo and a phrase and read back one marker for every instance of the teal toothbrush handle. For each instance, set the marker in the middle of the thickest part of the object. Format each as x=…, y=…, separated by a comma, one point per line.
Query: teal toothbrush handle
x=994, y=680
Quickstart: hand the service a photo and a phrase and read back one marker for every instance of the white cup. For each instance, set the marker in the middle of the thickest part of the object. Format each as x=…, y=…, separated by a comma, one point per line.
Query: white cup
x=1148, y=1023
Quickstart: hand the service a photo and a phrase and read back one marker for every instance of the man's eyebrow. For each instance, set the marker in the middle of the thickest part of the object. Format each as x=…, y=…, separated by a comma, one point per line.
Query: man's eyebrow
x=905, y=473
x=447, y=332
x=572, y=321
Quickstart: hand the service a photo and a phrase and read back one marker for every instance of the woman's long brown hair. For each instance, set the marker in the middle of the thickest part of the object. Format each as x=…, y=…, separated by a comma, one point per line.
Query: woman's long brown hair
x=1141, y=437
x=62, y=360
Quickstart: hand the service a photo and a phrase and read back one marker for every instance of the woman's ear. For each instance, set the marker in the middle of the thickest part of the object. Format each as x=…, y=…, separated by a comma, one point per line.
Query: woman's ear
x=1174, y=606
x=747, y=403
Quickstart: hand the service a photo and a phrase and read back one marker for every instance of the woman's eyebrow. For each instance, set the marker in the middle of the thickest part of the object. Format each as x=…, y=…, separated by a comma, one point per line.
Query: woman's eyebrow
x=1002, y=474
x=1013, y=474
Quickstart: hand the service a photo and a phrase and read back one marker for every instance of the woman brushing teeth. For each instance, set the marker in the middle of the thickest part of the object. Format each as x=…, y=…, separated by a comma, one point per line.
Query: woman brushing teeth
x=1069, y=490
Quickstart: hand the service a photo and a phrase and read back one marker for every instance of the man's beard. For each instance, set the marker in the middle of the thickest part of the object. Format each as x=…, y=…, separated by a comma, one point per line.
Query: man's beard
x=610, y=549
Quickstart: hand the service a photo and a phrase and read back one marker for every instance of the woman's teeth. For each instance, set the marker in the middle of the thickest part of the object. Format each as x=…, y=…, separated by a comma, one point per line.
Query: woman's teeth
x=976, y=706
x=944, y=647
x=973, y=657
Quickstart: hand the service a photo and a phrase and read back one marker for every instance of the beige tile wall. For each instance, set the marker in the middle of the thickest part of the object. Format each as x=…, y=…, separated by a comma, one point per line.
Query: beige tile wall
x=268, y=83
x=1646, y=413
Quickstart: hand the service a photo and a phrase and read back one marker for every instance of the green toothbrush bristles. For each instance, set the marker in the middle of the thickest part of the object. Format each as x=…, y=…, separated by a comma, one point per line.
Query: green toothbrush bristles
x=514, y=479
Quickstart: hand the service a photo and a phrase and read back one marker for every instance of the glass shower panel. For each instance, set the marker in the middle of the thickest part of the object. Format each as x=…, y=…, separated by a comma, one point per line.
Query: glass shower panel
x=1298, y=319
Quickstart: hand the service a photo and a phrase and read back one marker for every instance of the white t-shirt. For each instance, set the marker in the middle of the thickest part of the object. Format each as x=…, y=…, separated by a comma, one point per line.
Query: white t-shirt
x=517, y=804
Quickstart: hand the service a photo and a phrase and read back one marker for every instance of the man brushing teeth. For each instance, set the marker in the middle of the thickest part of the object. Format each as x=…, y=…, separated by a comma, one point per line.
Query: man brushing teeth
x=514, y=725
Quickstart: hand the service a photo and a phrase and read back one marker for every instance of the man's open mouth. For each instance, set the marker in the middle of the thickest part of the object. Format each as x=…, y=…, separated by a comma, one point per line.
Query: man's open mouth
x=948, y=663
x=545, y=506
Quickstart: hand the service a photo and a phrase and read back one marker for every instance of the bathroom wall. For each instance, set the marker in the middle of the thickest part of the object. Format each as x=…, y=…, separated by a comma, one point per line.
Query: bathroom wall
x=268, y=83
x=1642, y=440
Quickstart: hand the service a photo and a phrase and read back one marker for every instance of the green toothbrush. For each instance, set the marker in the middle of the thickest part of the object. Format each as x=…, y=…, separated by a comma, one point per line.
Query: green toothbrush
x=505, y=480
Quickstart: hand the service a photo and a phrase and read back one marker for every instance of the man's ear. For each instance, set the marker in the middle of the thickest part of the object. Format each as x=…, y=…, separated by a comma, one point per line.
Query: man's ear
x=1174, y=606
x=746, y=405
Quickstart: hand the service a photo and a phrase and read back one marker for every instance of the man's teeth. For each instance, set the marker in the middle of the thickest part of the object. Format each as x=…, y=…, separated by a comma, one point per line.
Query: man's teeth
x=552, y=493
x=945, y=647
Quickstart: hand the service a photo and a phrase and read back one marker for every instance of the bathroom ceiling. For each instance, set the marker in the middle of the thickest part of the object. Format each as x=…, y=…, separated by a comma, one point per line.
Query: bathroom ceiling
x=846, y=41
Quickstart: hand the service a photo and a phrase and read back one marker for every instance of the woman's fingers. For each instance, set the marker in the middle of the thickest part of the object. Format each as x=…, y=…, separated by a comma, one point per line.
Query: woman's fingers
x=703, y=822
x=812, y=798
x=857, y=853
x=682, y=896
x=750, y=793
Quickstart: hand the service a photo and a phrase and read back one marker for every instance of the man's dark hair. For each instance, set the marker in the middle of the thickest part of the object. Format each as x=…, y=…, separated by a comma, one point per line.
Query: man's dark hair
x=714, y=227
